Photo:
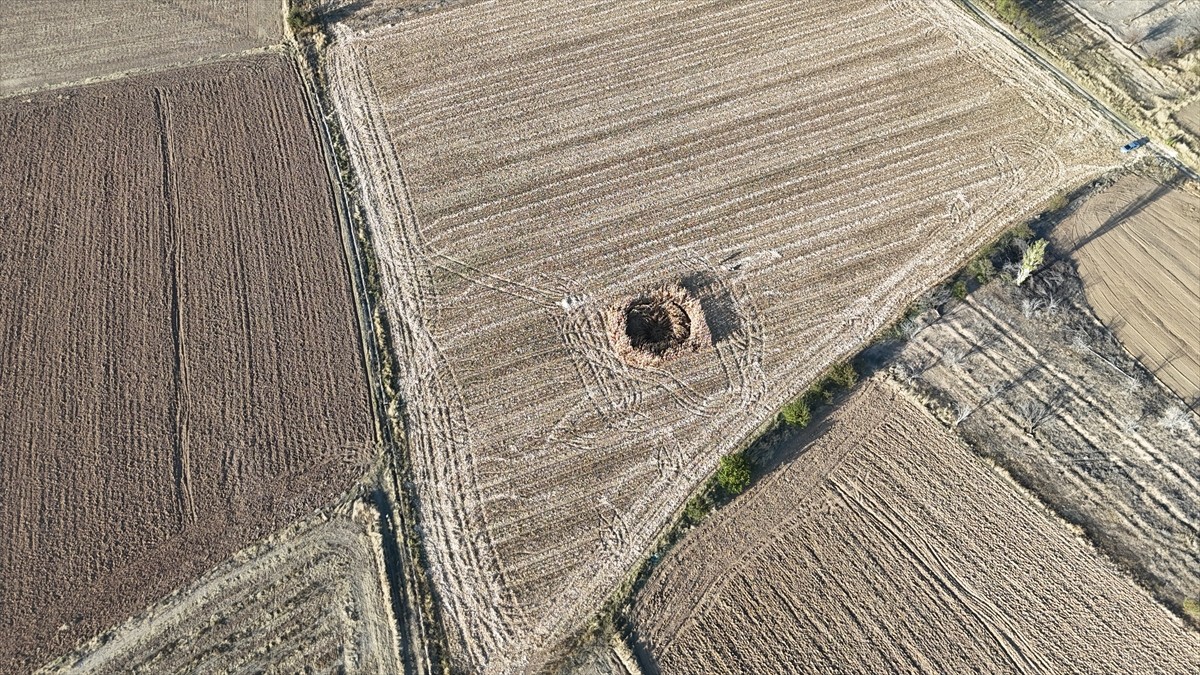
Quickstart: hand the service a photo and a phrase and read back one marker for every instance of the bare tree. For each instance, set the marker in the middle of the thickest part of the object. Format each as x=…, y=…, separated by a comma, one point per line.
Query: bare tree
x=911, y=372
x=1130, y=385
x=1176, y=418
x=962, y=410
x=1135, y=35
x=1033, y=413
x=1031, y=306
x=995, y=389
x=953, y=354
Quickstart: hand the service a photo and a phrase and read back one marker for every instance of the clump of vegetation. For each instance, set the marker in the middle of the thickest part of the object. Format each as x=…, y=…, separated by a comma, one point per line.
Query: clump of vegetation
x=1191, y=607
x=696, y=510
x=1016, y=13
x=959, y=290
x=797, y=413
x=733, y=474
x=1059, y=202
x=1033, y=258
x=301, y=18
x=982, y=269
x=843, y=375
x=1020, y=232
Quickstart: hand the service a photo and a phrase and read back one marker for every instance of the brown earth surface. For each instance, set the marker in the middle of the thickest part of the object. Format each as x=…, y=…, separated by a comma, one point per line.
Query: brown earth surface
x=1034, y=382
x=1137, y=246
x=803, y=169
x=310, y=599
x=179, y=351
x=1189, y=117
x=881, y=544
x=52, y=42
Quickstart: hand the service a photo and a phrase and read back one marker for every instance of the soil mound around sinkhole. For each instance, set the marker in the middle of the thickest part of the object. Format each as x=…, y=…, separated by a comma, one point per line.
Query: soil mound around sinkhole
x=657, y=326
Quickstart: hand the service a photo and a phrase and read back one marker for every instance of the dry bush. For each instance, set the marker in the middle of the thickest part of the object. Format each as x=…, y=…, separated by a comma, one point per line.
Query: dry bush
x=1175, y=417
x=1033, y=413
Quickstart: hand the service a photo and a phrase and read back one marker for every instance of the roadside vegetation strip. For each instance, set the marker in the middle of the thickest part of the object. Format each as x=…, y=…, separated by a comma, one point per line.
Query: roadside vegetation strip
x=278, y=417
x=421, y=631
x=513, y=203
x=883, y=544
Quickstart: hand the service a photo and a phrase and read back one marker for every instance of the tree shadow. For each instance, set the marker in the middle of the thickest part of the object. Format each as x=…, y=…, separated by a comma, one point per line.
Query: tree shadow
x=1128, y=211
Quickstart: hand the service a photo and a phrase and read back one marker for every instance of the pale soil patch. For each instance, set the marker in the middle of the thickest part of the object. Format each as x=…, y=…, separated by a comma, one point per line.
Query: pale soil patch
x=52, y=42
x=1038, y=385
x=1137, y=245
x=881, y=544
x=312, y=598
x=1154, y=23
x=803, y=169
x=604, y=658
x=1189, y=118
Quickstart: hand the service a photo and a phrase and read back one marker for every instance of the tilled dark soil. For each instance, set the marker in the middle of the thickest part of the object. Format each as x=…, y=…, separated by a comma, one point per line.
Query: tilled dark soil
x=178, y=354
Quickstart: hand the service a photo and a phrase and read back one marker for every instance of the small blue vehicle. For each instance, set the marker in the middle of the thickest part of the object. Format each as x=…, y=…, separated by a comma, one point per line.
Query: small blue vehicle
x=1134, y=145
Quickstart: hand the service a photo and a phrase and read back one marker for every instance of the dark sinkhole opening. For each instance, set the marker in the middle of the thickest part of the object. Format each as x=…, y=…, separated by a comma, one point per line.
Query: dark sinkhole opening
x=655, y=324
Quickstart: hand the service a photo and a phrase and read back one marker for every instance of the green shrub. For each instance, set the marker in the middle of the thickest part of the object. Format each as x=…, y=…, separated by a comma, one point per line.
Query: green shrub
x=696, y=510
x=1033, y=258
x=1191, y=607
x=843, y=375
x=1022, y=232
x=982, y=269
x=1012, y=12
x=301, y=18
x=733, y=475
x=959, y=290
x=797, y=413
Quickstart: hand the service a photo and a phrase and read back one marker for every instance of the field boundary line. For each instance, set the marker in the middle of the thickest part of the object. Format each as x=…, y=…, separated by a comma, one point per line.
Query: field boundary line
x=279, y=48
x=407, y=573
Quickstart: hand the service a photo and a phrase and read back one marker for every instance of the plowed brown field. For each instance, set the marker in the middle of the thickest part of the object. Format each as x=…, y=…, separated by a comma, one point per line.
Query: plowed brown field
x=883, y=545
x=805, y=169
x=50, y=42
x=310, y=599
x=181, y=372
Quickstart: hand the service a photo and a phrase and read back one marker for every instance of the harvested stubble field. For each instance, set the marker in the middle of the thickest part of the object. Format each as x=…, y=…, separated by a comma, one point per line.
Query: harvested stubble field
x=52, y=42
x=310, y=599
x=179, y=349
x=882, y=544
x=1036, y=383
x=1113, y=63
x=803, y=170
x=1137, y=245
